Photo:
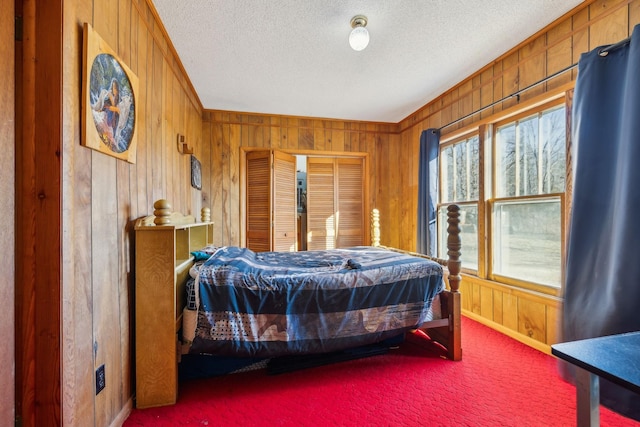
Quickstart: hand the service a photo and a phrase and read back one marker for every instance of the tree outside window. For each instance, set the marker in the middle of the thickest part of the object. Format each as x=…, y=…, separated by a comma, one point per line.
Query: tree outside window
x=526, y=235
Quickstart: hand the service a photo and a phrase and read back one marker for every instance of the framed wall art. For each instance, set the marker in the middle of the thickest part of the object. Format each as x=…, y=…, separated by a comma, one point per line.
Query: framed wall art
x=109, y=109
x=196, y=173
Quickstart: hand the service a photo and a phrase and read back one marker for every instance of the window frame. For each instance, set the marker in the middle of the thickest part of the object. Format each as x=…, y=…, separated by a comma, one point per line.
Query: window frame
x=521, y=283
x=475, y=132
x=486, y=131
x=536, y=110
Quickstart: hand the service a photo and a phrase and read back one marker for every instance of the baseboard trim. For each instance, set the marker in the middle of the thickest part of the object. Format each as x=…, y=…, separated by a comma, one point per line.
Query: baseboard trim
x=123, y=414
x=544, y=348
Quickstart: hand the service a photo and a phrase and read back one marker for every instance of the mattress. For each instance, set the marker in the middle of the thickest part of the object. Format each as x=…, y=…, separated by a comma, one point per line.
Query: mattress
x=272, y=304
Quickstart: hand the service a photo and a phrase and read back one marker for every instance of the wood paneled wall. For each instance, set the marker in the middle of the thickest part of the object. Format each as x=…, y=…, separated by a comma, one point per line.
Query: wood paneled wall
x=100, y=198
x=595, y=23
x=530, y=317
x=230, y=132
x=7, y=230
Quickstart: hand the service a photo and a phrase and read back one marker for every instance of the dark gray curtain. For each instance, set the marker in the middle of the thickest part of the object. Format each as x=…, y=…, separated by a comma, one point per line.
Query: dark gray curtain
x=602, y=294
x=428, y=192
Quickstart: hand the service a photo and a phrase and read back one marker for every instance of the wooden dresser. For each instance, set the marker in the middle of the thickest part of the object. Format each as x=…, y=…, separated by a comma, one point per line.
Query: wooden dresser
x=163, y=246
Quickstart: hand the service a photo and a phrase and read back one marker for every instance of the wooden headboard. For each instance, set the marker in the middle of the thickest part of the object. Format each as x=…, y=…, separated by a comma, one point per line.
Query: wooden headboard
x=163, y=245
x=163, y=215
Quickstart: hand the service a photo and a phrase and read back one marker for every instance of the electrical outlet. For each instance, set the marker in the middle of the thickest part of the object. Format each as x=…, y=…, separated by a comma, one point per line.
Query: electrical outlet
x=101, y=379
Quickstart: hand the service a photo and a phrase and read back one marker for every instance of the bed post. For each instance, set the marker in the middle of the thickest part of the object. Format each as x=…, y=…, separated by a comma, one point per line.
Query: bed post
x=453, y=247
x=454, y=349
x=375, y=227
x=450, y=335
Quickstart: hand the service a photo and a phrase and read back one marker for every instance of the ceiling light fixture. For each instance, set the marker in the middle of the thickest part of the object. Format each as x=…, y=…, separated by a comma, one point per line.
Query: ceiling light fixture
x=359, y=37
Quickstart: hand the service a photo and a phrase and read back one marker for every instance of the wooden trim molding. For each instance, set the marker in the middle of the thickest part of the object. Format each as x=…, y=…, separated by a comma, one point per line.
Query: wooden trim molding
x=39, y=301
x=544, y=348
x=7, y=195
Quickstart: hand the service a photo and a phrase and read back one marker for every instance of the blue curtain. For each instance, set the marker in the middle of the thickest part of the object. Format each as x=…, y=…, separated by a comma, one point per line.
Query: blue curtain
x=602, y=294
x=428, y=192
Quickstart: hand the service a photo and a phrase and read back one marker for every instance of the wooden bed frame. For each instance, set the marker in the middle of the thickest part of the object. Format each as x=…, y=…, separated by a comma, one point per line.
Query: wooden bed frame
x=163, y=245
x=445, y=330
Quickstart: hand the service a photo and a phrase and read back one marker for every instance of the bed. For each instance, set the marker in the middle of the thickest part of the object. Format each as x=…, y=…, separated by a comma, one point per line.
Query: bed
x=231, y=302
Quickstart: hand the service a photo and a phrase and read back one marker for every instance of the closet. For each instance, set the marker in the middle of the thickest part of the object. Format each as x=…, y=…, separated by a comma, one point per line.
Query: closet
x=334, y=209
x=335, y=202
x=271, y=211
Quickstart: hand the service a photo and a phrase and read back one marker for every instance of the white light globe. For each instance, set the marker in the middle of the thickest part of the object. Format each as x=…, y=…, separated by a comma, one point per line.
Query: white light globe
x=359, y=38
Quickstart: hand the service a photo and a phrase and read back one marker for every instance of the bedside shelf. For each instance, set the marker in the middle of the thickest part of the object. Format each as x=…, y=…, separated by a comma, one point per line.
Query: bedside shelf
x=163, y=259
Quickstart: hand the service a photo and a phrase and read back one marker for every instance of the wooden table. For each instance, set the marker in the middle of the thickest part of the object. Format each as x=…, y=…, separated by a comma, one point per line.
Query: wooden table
x=615, y=358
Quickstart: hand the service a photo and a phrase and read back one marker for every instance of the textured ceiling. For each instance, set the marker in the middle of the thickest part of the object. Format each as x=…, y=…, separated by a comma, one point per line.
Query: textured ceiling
x=292, y=57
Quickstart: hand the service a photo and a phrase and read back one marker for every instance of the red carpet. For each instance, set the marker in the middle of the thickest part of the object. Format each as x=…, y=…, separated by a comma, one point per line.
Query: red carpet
x=499, y=382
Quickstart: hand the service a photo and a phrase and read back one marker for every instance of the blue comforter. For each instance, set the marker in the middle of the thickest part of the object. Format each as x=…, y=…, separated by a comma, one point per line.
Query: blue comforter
x=275, y=303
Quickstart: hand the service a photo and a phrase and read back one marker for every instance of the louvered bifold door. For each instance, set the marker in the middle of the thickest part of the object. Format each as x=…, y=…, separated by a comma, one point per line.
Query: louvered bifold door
x=350, y=201
x=321, y=221
x=285, y=212
x=259, y=200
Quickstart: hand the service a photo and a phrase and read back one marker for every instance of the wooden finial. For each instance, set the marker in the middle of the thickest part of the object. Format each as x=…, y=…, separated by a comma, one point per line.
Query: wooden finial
x=453, y=246
x=162, y=212
x=205, y=214
x=375, y=227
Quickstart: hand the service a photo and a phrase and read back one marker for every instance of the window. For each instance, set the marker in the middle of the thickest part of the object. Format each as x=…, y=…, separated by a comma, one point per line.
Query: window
x=508, y=178
x=527, y=240
x=460, y=184
x=526, y=215
x=530, y=155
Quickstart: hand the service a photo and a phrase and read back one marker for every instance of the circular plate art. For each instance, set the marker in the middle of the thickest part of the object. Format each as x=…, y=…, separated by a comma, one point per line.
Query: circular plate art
x=109, y=100
x=112, y=103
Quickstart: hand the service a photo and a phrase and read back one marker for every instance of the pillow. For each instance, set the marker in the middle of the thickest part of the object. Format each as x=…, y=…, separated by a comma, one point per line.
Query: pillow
x=200, y=255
